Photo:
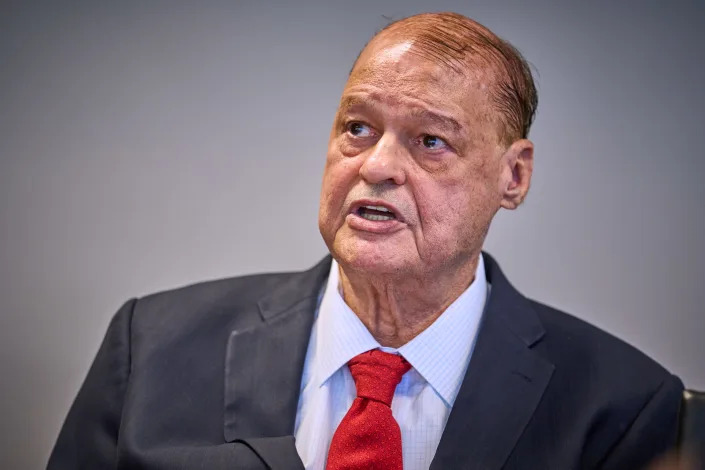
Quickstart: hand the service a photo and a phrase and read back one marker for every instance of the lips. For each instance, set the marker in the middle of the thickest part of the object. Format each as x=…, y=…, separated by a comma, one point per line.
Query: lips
x=375, y=213
x=374, y=216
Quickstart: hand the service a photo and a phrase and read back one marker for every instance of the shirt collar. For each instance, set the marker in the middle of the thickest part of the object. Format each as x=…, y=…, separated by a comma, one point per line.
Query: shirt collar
x=440, y=354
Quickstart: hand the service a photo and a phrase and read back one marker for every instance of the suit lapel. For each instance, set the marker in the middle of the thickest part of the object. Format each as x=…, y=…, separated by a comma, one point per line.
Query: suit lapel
x=503, y=384
x=263, y=364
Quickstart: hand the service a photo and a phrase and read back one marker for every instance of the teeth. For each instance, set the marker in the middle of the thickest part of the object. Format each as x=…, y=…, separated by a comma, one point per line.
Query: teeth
x=367, y=216
x=378, y=208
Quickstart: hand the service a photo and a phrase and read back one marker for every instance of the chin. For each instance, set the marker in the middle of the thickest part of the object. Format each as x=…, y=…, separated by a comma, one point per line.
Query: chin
x=370, y=259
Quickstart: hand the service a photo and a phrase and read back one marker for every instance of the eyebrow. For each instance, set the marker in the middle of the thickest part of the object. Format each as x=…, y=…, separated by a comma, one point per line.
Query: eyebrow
x=353, y=101
x=443, y=121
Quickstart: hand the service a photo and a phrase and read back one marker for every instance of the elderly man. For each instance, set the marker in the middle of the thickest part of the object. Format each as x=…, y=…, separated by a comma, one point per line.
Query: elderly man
x=409, y=348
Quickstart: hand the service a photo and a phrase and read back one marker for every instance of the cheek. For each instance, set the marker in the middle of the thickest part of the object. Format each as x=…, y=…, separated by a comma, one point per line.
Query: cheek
x=456, y=211
x=439, y=205
x=339, y=175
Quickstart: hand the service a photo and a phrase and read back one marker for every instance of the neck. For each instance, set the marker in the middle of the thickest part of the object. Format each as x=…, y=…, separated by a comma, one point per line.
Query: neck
x=397, y=308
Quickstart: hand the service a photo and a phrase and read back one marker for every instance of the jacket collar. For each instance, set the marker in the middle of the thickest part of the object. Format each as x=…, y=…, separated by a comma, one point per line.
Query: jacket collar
x=504, y=383
x=264, y=363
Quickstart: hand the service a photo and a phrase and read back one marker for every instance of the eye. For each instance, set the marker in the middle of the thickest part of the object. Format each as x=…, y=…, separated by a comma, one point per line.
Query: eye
x=433, y=142
x=358, y=129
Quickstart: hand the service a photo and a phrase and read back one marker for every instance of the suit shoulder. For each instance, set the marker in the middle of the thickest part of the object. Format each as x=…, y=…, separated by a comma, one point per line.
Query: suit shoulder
x=594, y=353
x=222, y=303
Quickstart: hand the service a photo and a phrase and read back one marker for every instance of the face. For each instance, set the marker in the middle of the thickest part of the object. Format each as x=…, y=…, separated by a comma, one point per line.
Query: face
x=415, y=170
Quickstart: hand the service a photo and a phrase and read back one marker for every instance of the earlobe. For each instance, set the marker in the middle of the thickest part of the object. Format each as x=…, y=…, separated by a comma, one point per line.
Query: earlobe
x=519, y=159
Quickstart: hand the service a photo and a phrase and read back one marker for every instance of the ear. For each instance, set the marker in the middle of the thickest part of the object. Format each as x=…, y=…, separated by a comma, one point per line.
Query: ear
x=517, y=167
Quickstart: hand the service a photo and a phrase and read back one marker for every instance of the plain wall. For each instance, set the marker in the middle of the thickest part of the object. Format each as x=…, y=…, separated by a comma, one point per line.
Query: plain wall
x=146, y=145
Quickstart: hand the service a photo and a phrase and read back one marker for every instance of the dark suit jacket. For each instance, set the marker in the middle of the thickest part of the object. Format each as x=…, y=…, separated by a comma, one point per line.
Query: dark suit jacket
x=208, y=377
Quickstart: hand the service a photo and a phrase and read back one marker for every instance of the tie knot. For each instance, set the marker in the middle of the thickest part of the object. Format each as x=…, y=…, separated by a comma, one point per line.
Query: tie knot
x=377, y=374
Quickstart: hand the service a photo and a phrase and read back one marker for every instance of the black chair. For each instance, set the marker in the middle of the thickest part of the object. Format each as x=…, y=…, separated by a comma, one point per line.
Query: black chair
x=691, y=436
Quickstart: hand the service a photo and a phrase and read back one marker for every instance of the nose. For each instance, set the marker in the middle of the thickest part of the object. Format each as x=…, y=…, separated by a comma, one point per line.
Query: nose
x=385, y=162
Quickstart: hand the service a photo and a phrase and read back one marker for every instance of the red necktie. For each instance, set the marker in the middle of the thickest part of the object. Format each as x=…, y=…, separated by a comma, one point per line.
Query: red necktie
x=368, y=437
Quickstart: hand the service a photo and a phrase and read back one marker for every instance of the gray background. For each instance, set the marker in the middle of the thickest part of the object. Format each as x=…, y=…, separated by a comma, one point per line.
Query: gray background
x=145, y=145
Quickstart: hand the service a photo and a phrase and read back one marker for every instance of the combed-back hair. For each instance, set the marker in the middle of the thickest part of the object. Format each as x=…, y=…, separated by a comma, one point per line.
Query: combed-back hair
x=458, y=42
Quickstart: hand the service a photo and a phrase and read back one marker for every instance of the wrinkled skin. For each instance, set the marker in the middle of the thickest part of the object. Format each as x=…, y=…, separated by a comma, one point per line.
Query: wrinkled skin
x=424, y=140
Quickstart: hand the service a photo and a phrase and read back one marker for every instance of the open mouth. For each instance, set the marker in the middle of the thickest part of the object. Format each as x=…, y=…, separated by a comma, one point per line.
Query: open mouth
x=375, y=213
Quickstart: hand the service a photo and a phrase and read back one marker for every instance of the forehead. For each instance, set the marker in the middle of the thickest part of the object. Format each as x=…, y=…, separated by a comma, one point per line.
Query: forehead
x=400, y=63
x=401, y=73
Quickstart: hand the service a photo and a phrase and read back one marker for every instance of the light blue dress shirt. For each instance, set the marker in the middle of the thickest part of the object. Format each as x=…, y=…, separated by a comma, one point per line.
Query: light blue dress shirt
x=439, y=357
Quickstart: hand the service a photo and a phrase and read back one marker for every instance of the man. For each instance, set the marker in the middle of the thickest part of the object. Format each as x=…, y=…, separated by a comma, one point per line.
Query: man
x=409, y=348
